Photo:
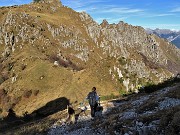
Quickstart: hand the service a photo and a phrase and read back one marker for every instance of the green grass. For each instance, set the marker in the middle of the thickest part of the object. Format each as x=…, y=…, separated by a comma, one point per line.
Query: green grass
x=108, y=97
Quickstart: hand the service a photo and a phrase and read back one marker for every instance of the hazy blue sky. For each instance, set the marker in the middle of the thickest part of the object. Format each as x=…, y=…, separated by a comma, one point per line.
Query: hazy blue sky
x=145, y=13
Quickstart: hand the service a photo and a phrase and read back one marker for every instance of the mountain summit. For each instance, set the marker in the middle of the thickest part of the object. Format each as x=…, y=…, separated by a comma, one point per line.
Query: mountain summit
x=54, y=2
x=49, y=51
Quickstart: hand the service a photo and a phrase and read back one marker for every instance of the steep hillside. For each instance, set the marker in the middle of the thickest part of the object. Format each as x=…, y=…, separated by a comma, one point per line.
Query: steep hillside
x=48, y=51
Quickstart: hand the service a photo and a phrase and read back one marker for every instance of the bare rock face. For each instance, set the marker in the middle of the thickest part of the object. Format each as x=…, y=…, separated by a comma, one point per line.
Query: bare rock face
x=49, y=1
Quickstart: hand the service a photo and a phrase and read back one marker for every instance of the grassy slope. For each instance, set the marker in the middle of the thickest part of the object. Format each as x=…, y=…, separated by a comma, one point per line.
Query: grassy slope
x=56, y=81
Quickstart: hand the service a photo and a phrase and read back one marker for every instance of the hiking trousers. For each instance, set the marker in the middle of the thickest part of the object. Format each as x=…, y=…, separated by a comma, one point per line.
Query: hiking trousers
x=93, y=110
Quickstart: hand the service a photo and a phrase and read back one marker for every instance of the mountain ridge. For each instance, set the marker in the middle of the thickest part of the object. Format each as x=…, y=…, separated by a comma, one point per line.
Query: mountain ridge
x=49, y=48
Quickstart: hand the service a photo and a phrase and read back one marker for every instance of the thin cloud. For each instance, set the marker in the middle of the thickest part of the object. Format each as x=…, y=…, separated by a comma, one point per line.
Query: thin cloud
x=175, y=10
x=160, y=15
x=81, y=4
x=100, y=7
x=112, y=9
x=117, y=13
x=162, y=26
x=116, y=20
x=111, y=20
x=168, y=25
x=123, y=10
x=13, y=2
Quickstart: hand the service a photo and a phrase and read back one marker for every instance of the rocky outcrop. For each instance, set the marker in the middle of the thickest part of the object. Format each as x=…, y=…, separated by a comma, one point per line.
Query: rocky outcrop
x=52, y=2
x=123, y=40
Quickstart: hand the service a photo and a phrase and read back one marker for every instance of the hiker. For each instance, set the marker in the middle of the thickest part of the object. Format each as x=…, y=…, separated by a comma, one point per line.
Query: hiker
x=93, y=99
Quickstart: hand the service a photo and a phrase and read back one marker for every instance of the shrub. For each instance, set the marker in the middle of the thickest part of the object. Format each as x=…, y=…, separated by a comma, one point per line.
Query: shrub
x=36, y=92
x=2, y=91
x=154, y=87
x=64, y=63
x=23, y=66
x=4, y=76
x=53, y=58
x=122, y=92
x=122, y=61
x=27, y=94
x=10, y=66
x=1, y=66
x=17, y=100
x=1, y=79
x=121, y=80
x=2, y=94
x=6, y=101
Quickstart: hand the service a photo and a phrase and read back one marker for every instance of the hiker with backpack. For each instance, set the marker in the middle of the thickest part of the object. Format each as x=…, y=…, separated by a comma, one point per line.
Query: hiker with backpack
x=93, y=99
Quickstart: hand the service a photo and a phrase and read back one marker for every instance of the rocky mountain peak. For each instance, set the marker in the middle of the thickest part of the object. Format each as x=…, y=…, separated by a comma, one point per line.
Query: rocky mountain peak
x=104, y=23
x=54, y=2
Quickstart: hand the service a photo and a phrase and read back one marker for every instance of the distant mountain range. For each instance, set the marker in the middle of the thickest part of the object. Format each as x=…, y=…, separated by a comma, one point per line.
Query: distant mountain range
x=170, y=35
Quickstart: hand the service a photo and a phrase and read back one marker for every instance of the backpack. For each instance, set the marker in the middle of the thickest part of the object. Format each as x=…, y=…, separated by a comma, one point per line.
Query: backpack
x=92, y=98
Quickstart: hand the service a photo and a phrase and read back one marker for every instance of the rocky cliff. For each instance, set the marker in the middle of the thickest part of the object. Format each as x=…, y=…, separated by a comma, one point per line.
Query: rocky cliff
x=50, y=51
